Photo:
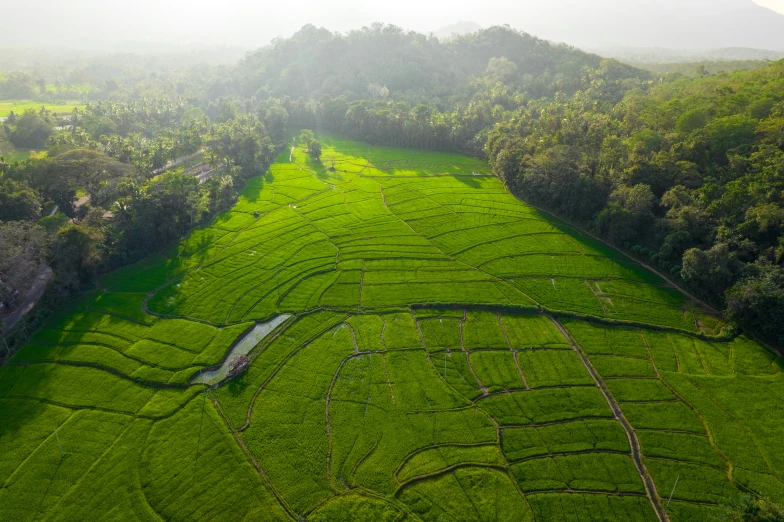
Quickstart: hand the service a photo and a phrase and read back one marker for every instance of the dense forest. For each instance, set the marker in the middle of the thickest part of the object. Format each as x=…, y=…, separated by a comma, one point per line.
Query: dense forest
x=683, y=172
x=122, y=181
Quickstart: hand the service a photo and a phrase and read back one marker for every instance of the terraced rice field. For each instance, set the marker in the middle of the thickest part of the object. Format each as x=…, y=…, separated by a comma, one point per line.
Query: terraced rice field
x=452, y=354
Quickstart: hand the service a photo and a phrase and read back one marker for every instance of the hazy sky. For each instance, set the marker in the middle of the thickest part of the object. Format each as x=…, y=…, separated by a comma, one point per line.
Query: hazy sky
x=776, y=5
x=111, y=24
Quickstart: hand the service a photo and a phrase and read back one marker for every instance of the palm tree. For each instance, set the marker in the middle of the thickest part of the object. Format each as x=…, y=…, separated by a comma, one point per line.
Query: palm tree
x=173, y=151
x=212, y=159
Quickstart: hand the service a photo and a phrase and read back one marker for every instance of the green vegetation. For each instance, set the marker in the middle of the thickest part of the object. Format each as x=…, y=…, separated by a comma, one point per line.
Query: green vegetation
x=673, y=173
x=20, y=106
x=17, y=154
x=443, y=350
x=703, y=418
x=418, y=378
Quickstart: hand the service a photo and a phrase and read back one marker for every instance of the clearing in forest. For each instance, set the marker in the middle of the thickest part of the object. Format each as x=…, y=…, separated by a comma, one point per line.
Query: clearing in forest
x=19, y=106
x=451, y=354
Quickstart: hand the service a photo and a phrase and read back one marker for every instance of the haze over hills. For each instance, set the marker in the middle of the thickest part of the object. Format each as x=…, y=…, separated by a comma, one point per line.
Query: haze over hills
x=662, y=55
x=133, y=56
x=460, y=28
x=315, y=62
x=670, y=24
x=695, y=24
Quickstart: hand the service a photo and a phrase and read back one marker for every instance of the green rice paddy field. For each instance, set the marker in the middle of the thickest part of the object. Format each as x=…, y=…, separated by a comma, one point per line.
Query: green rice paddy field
x=16, y=154
x=19, y=106
x=452, y=354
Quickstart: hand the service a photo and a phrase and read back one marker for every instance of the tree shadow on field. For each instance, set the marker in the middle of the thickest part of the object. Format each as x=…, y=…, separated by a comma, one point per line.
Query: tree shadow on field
x=200, y=251
x=19, y=413
x=25, y=387
x=29, y=380
x=238, y=385
x=318, y=168
x=469, y=181
x=253, y=187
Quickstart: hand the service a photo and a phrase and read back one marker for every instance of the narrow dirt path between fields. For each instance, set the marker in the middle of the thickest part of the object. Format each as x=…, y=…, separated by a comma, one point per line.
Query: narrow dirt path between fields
x=246, y=451
x=514, y=352
x=327, y=423
x=467, y=356
x=647, y=480
x=277, y=369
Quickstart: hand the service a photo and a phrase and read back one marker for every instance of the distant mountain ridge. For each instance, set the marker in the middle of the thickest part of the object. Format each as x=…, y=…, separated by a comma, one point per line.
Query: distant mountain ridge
x=591, y=24
x=668, y=24
x=659, y=55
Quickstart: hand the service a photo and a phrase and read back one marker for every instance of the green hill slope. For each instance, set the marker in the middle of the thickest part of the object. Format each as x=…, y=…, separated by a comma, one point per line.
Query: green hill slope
x=453, y=354
x=316, y=62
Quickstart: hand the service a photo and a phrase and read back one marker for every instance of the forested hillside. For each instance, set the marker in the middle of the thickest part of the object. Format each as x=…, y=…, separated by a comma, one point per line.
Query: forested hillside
x=688, y=174
x=315, y=62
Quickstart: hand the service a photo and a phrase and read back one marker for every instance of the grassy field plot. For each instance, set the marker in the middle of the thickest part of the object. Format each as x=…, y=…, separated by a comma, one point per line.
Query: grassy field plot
x=483, y=330
x=19, y=106
x=592, y=508
x=639, y=390
x=553, y=368
x=588, y=472
x=663, y=416
x=577, y=436
x=543, y=406
x=609, y=366
x=19, y=154
x=601, y=340
x=468, y=494
x=699, y=483
x=440, y=333
x=497, y=370
x=526, y=331
x=430, y=461
x=565, y=294
x=680, y=446
x=455, y=369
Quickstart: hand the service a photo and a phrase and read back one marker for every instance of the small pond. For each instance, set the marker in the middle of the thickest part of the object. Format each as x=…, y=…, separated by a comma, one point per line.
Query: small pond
x=251, y=339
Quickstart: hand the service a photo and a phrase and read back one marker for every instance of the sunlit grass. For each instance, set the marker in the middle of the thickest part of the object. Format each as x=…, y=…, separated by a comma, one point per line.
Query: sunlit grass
x=19, y=106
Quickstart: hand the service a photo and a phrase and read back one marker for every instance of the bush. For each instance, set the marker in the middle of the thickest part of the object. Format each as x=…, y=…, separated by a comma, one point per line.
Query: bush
x=31, y=131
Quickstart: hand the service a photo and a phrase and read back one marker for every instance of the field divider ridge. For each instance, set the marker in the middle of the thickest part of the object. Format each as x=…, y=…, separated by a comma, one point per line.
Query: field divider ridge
x=634, y=443
x=278, y=368
x=251, y=458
